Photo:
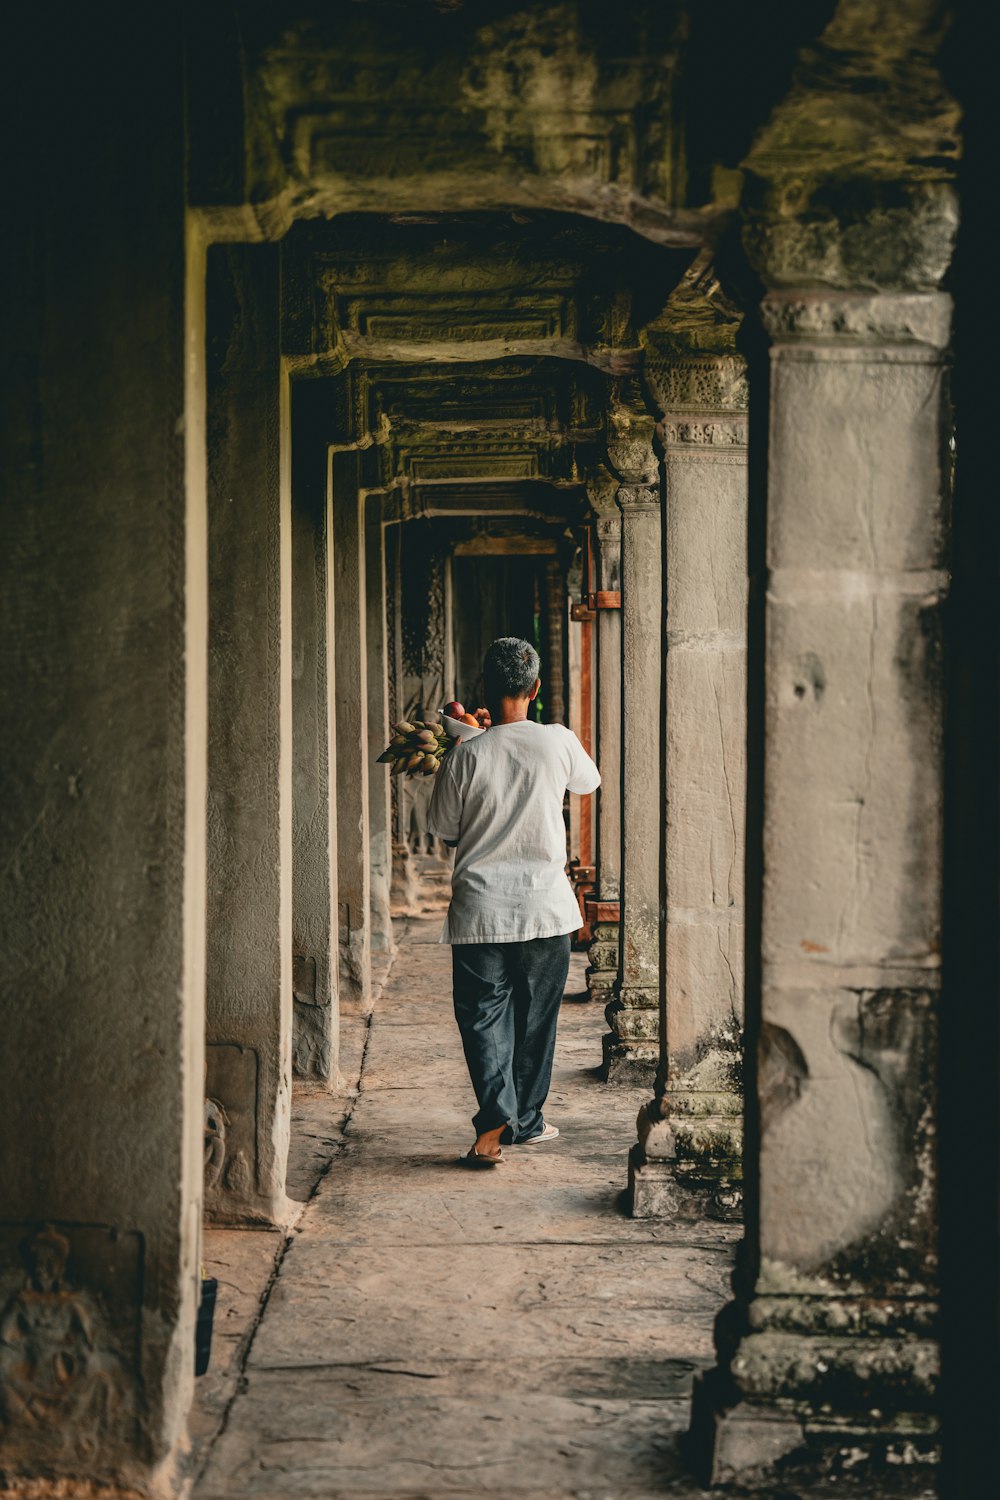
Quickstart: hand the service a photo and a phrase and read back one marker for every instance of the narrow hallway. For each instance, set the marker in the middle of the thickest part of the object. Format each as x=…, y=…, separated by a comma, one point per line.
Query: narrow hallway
x=434, y=1331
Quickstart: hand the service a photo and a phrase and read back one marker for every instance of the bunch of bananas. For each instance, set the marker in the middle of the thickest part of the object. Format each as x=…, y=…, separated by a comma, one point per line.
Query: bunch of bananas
x=416, y=749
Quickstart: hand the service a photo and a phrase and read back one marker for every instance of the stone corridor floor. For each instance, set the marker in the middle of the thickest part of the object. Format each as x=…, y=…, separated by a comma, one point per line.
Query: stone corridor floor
x=423, y=1330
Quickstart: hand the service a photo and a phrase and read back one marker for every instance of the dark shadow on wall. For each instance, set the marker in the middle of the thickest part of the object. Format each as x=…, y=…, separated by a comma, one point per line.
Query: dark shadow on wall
x=970, y=1008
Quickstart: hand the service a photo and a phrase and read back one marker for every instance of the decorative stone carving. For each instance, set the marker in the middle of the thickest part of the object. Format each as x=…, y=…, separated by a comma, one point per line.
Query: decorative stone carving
x=216, y=1121
x=631, y=430
x=543, y=107
x=717, y=431
x=702, y=384
x=311, y=1035
x=230, y=1129
x=884, y=319
x=67, y=1378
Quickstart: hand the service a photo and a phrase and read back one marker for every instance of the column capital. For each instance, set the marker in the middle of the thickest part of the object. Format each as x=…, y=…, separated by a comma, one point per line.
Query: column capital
x=715, y=435
x=703, y=382
x=633, y=498
x=608, y=528
x=631, y=434
x=819, y=316
x=601, y=486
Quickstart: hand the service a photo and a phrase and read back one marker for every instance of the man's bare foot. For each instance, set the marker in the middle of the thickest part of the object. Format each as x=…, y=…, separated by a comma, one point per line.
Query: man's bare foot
x=488, y=1144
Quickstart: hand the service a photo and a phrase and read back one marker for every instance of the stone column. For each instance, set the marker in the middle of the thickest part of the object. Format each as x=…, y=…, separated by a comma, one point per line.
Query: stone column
x=103, y=604
x=351, y=699
x=832, y=1357
x=689, y=1157
x=553, y=664
x=249, y=969
x=402, y=886
x=379, y=791
x=449, y=668
x=315, y=1029
x=605, y=910
x=631, y=1048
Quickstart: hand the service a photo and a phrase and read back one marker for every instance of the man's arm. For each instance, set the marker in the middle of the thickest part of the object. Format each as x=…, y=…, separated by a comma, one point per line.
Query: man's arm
x=444, y=816
x=583, y=776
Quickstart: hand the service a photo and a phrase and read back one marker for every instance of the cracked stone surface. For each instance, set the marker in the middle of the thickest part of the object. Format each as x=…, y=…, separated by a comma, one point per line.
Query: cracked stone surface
x=431, y=1331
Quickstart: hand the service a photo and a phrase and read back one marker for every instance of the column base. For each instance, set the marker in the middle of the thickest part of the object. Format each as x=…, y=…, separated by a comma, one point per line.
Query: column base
x=250, y=1211
x=665, y=1190
x=754, y=1444
x=355, y=978
x=628, y=1062
x=688, y=1160
x=602, y=975
x=601, y=985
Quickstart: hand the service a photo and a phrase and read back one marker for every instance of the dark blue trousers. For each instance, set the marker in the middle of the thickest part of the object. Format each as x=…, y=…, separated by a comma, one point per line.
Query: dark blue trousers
x=507, y=998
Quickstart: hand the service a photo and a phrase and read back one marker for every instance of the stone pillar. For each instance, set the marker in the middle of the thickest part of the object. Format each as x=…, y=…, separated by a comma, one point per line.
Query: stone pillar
x=379, y=792
x=449, y=668
x=631, y=1049
x=403, y=885
x=315, y=1029
x=553, y=692
x=103, y=602
x=689, y=1157
x=351, y=699
x=426, y=628
x=249, y=954
x=831, y=1358
x=605, y=910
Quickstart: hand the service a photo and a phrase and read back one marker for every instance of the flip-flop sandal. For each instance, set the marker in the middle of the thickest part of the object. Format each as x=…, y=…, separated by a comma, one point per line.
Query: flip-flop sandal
x=548, y=1133
x=474, y=1158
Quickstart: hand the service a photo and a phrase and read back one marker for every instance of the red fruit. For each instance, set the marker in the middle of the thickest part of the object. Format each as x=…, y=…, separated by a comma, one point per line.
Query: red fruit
x=454, y=710
x=483, y=718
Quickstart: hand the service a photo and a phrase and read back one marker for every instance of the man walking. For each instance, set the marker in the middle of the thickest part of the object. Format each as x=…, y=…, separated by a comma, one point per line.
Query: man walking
x=499, y=799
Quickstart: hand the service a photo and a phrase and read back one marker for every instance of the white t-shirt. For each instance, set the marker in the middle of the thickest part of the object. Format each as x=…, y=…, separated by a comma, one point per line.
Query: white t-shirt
x=500, y=794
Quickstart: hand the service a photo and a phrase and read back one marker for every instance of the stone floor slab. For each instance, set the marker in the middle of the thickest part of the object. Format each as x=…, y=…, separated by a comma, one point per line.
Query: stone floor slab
x=511, y=1301
x=509, y=1444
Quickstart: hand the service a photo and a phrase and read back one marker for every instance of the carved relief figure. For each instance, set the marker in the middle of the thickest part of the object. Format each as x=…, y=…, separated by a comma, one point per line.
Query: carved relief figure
x=216, y=1121
x=62, y=1380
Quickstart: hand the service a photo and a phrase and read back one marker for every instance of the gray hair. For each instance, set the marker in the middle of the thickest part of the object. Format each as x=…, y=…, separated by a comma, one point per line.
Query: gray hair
x=510, y=668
